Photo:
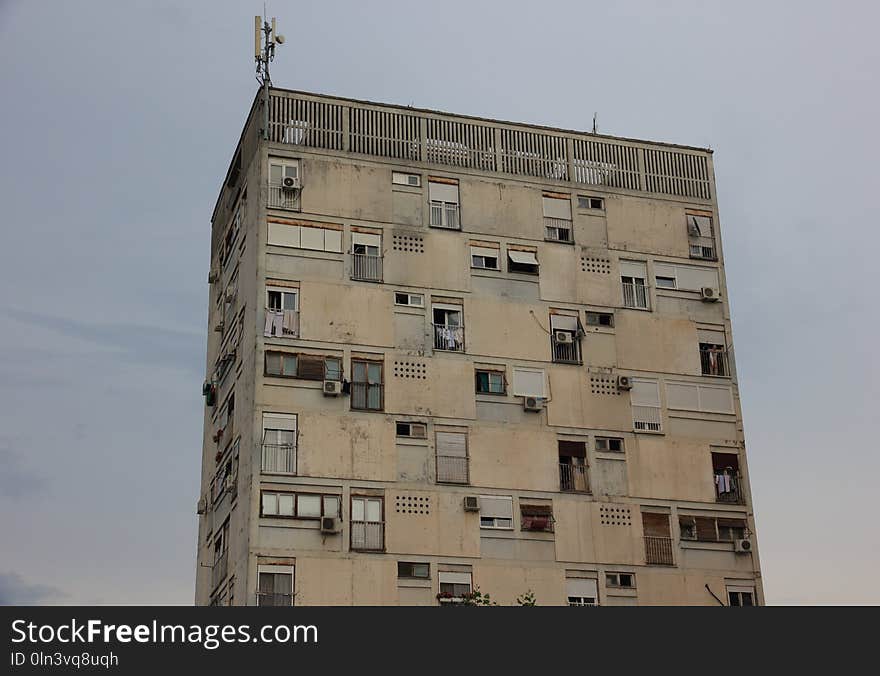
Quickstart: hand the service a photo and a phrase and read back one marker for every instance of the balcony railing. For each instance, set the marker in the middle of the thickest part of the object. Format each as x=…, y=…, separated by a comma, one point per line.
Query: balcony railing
x=635, y=295
x=444, y=215
x=279, y=459
x=281, y=323
x=713, y=362
x=728, y=488
x=366, y=267
x=450, y=338
x=647, y=418
x=279, y=198
x=367, y=396
x=557, y=229
x=658, y=550
x=702, y=248
x=573, y=478
x=452, y=469
x=566, y=353
x=273, y=599
x=368, y=535
x=218, y=572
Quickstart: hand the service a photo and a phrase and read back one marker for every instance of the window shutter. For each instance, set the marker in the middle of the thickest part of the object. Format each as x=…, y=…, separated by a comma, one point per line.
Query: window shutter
x=443, y=192
x=645, y=393
x=656, y=525
x=573, y=449
x=310, y=368
x=452, y=443
x=581, y=588
x=528, y=383
x=706, y=528
x=632, y=269
x=555, y=207
x=492, y=507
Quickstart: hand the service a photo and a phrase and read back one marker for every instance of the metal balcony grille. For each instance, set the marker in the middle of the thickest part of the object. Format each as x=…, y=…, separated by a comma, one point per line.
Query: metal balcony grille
x=449, y=338
x=279, y=198
x=444, y=215
x=366, y=267
x=452, y=469
x=272, y=599
x=728, y=488
x=647, y=418
x=566, y=353
x=714, y=362
x=557, y=229
x=573, y=478
x=658, y=550
x=368, y=535
x=635, y=295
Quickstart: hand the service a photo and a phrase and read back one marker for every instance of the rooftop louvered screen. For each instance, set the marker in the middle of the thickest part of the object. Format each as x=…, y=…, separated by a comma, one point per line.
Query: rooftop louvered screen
x=444, y=140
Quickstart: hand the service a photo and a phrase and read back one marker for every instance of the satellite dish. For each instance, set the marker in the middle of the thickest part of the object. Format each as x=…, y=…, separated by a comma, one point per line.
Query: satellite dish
x=279, y=39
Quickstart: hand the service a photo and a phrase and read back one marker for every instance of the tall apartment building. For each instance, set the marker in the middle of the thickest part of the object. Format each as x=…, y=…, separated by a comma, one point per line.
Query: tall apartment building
x=448, y=352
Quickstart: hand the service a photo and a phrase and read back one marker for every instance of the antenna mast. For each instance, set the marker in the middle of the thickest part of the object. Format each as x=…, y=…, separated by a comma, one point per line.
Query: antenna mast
x=265, y=40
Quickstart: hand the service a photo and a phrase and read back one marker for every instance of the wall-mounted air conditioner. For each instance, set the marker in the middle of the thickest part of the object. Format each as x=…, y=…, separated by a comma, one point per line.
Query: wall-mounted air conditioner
x=332, y=388
x=563, y=337
x=533, y=404
x=709, y=294
x=471, y=503
x=624, y=383
x=329, y=524
x=743, y=546
x=290, y=183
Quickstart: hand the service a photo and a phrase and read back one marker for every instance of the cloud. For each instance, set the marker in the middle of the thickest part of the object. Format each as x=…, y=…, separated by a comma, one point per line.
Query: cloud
x=15, y=591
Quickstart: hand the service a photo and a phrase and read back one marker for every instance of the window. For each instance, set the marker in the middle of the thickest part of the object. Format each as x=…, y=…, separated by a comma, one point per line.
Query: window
x=279, y=443
x=658, y=542
x=665, y=282
x=528, y=382
x=310, y=236
x=536, y=517
x=412, y=180
x=699, y=397
x=635, y=290
x=452, y=457
x=282, y=313
x=275, y=586
x=685, y=277
x=367, y=389
x=366, y=256
x=484, y=258
x=496, y=512
x=565, y=338
x=367, y=523
x=605, y=319
x=573, y=477
x=581, y=591
x=620, y=580
x=645, y=400
x=443, y=196
x=522, y=261
x=557, y=217
x=711, y=529
x=412, y=430
x=585, y=202
x=448, y=327
x=701, y=238
x=713, y=353
x=454, y=585
x=284, y=183
x=280, y=364
x=298, y=505
x=410, y=299
x=725, y=468
x=609, y=444
x=740, y=596
x=419, y=571
x=303, y=366
x=489, y=382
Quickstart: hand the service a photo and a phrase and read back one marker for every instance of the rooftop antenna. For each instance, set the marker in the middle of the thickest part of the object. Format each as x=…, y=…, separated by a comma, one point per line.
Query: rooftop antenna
x=595, y=122
x=265, y=39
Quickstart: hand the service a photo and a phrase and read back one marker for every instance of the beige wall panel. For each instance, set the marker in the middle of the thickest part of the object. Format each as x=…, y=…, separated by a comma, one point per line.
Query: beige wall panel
x=355, y=446
x=506, y=330
x=653, y=343
x=346, y=314
x=444, y=265
x=407, y=207
x=530, y=464
x=344, y=189
x=668, y=468
x=504, y=583
x=446, y=392
x=446, y=531
x=560, y=265
x=717, y=430
x=323, y=582
x=574, y=529
x=641, y=224
x=501, y=210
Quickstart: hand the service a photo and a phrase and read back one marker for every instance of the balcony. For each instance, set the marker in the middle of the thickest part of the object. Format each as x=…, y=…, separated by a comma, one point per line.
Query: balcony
x=444, y=215
x=713, y=361
x=367, y=396
x=368, y=536
x=448, y=338
x=557, y=229
x=218, y=570
x=573, y=478
x=281, y=198
x=281, y=323
x=279, y=459
x=647, y=418
x=635, y=296
x=658, y=550
x=452, y=469
x=366, y=267
x=566, y=353
x=728, y=489
x=273, y=599
x=702, y=248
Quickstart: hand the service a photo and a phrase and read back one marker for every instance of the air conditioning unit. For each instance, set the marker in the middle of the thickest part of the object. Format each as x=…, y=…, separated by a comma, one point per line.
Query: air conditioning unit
x=563, y=337
x=202, y=505
x=329, y=524
x=624, y=383
x=290, y=183
x=213, y=276
x=220, y=326
x=709, y=294
x=471, y=503
x=743, y=546
x=533, y=404
x=332, y=388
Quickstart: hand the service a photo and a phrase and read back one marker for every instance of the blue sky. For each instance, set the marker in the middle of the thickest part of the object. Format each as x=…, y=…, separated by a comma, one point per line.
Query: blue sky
x=118, y=123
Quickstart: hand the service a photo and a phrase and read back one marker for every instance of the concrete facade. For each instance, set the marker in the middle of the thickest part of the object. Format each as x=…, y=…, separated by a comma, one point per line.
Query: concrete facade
x=603, y=308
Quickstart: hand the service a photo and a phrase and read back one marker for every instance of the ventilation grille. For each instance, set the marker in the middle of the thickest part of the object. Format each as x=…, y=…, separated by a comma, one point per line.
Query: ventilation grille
x=611, y=164
x=532, y=154
x=599, y=265
x=410, y=369
x=412, y=504
x=408, y=243
x=615, y=515
x=675, y=173
x=460, y=144
x=304, y=122
x=384, y=134
x=604, y=385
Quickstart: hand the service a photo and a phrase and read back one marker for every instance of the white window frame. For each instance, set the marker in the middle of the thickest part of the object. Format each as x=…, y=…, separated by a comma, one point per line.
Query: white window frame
x=409, y=297
x=482, y=253
x=403, y=178
x=607, y=448
x=497, y=521
x=518, y=391
x=411, y=425
x=283, y=290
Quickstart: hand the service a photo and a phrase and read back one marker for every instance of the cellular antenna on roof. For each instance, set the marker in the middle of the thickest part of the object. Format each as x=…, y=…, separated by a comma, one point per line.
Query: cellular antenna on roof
x=595, y=122
x=265, y=39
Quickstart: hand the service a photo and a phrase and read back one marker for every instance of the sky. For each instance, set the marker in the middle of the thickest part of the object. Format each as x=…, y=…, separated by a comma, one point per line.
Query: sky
x=117, y=124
